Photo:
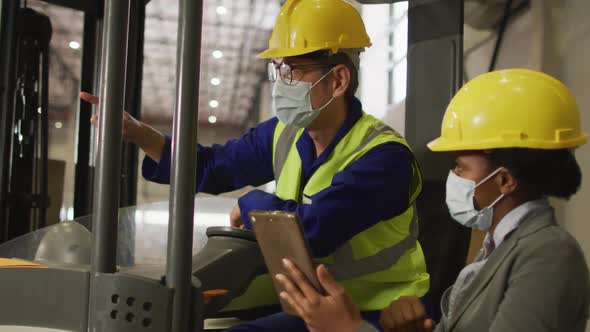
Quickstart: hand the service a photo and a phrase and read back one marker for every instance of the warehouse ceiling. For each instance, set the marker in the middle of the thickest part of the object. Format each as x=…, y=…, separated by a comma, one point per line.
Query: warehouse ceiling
x=234, y=31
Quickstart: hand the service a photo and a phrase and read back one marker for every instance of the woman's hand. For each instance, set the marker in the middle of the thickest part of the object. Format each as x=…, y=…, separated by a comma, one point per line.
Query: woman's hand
x=407, y=314
x=322, y=313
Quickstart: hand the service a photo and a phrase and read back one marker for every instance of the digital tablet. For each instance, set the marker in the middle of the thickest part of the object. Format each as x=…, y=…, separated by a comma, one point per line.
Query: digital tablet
x=280, y=235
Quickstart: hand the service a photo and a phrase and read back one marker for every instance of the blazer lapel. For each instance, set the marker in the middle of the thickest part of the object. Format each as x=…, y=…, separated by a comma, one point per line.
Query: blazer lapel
x=544, y=218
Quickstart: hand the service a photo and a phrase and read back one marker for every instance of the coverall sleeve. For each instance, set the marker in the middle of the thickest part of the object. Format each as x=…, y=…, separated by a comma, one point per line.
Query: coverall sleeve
x=222, y=168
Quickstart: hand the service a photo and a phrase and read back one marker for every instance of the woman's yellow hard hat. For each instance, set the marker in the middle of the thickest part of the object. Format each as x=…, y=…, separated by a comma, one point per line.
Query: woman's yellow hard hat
x=514, y=108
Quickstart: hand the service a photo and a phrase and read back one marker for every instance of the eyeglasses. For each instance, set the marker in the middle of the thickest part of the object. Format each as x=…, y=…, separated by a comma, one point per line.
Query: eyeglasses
x=291, y=73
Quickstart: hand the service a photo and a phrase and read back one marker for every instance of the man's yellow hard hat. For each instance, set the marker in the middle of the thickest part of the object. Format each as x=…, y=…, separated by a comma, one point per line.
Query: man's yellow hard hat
x=305, y=26
x=514, y=108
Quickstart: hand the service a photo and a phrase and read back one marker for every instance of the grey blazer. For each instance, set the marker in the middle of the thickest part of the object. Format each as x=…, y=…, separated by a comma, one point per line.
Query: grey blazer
x=536, y=280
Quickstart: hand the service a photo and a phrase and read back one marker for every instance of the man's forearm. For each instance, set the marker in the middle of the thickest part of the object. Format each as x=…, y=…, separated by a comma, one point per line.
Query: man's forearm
x=150, y=141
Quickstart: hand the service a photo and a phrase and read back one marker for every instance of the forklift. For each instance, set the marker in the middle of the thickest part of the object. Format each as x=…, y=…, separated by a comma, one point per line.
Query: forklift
x=86, y=274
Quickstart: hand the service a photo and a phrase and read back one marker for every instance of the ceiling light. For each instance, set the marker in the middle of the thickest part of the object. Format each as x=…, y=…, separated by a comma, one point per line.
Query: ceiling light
x=214, y=103
x=74, y=44
x=58, y=125
x=215, y=81
x=217, y=54
x=212, y=119
x=221, y=10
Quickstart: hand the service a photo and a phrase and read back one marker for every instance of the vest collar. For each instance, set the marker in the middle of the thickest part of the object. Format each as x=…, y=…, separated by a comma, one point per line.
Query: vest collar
x=305, y=145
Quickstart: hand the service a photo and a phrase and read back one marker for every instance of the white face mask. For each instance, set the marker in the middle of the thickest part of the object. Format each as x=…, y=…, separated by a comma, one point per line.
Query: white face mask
x=460, y=198
x=292, y=103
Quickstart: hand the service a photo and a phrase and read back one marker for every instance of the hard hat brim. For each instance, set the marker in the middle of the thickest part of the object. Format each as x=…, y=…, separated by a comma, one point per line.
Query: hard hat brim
x=444, y=145
x=286, y=52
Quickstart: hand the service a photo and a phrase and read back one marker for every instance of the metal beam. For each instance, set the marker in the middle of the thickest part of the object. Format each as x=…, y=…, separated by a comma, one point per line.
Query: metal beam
x=44, y=135
x=83, y=172
x=133, y=100
x=184, y=164
x=435, y=58
x=108, y=167
x=7, y=86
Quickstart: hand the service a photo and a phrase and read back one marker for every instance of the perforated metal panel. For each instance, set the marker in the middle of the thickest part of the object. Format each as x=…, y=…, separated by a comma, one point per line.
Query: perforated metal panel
x=130, y=303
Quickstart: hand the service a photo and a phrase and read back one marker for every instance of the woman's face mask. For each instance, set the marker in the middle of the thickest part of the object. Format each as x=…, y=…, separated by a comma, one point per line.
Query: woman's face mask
x=292, y=103
x=460, y=198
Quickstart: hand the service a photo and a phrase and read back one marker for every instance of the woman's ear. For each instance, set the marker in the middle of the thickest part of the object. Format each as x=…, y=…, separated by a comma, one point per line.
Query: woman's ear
x=340, y=80
x=506, y=181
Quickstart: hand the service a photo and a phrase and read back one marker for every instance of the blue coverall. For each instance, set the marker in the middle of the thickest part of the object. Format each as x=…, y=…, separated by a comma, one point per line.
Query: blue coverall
x=373, y=188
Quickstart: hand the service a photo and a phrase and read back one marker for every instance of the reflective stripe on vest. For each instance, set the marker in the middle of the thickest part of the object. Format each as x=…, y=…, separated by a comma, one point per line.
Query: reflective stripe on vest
x=282, y=151
x=345, y=265
x=288, y=136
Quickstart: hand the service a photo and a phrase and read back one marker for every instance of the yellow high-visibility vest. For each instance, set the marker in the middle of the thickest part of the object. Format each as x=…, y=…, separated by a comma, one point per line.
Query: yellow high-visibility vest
x=377, y=265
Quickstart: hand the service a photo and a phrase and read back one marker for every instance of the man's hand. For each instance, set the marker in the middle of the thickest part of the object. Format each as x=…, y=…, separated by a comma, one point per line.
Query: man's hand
x=131, y=127
x=235, y=217
x=333, y=312
x=407, y=314
x=145, y=137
